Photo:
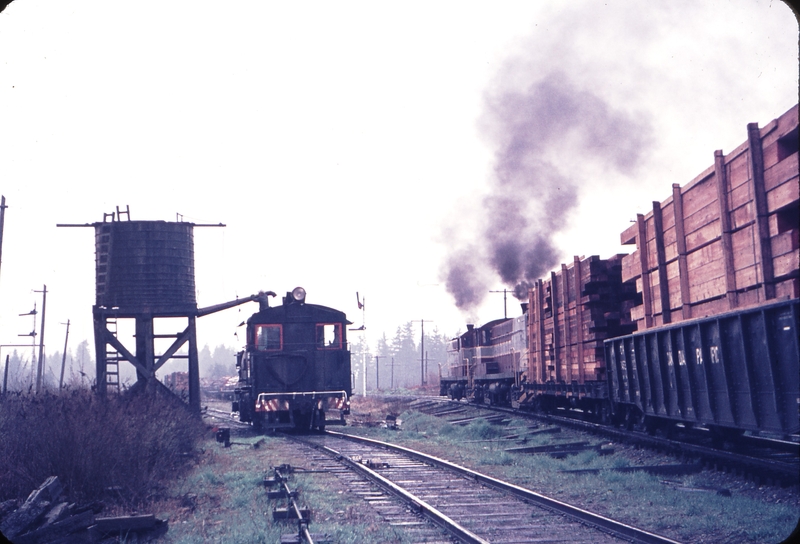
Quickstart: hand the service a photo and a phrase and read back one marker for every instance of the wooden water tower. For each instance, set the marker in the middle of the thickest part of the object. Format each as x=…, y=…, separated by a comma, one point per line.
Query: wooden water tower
x=145, y=272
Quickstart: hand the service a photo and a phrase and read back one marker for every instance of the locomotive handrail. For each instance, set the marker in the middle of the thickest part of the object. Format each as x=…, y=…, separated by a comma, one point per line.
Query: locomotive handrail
x=311, y=394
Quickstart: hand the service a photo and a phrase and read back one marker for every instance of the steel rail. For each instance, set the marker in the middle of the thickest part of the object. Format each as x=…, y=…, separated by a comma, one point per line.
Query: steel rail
x=584, y=516
x=429, y=511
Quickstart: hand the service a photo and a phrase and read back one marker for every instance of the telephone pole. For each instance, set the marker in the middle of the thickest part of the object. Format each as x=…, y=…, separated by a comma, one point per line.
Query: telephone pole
x=40, y=368
x=505, y=298
x=422, y=351
x=64, y=357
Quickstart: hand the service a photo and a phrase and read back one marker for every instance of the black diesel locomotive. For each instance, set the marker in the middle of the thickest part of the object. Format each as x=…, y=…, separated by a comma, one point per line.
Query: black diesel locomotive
x=295, y=369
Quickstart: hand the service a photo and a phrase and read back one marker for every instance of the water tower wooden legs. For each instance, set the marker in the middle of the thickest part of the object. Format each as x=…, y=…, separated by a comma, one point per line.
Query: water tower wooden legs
x=110, y=351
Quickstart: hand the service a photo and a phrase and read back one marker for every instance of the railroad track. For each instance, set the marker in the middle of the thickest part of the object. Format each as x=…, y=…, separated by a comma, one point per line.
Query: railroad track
x=470, y=506
x=758, y=459
x=222, y=415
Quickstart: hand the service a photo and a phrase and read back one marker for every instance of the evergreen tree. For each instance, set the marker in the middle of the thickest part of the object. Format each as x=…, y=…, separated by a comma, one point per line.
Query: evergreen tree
x=359, y=356
x=384, y=358
x=435, y=354
x=224, y=364
x=406, y=357
x=83, y=370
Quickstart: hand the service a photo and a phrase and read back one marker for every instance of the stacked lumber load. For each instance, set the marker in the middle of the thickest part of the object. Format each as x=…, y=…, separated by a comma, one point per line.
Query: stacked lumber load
x=570, y=314
x=726, y=240
x=47, y=517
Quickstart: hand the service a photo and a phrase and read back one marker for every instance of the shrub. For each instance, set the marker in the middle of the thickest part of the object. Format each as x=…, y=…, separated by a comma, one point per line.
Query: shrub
x=124, y=447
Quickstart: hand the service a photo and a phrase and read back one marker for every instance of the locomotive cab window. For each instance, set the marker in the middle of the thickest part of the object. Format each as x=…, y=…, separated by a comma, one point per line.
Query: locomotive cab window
x=329, y=335
x=269, y=337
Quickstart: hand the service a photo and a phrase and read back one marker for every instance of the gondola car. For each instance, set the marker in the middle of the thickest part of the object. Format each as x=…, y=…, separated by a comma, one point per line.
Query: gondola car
x=295, y=369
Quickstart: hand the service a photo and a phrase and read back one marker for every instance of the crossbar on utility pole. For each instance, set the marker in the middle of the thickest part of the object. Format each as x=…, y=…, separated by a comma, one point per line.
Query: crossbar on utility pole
x=505, y=303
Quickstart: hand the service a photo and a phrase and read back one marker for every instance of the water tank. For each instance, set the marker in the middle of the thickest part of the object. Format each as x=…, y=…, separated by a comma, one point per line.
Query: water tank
x=145, y=266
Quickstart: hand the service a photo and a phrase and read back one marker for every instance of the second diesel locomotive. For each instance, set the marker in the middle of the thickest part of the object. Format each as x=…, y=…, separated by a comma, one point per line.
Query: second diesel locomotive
x=485, y=362
x=295, y=369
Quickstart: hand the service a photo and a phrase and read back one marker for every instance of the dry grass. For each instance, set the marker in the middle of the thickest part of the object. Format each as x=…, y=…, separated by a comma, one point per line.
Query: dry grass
x=122, y=450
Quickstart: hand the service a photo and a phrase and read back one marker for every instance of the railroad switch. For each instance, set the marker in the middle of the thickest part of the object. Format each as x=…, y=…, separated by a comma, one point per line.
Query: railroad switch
x=290, y=513
x=317, y=538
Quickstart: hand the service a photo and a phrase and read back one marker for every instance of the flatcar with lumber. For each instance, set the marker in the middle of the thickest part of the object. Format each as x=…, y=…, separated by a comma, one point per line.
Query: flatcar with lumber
x=697, y=326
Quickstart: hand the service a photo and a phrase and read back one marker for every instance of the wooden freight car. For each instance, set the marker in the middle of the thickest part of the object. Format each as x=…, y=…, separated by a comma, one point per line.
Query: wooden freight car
x=726, y=240
x=570, y=315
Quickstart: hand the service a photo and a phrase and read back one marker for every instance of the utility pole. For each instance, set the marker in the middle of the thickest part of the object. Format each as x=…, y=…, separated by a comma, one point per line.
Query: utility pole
x=377, y=372
x=40, y=368
x=392, y=382
x=422, y=351
x=362, y=305
x=5, y=372
x=2, y=222
x=32, y=334
x=505, y=298
x=64, y=357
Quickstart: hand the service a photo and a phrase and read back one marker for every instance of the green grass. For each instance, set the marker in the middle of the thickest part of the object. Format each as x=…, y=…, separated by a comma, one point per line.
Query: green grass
x=638, y=498
x=224, y=500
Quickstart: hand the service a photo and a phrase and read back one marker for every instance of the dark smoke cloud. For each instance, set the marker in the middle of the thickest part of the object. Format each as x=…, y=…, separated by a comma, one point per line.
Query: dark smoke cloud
x=542, y=137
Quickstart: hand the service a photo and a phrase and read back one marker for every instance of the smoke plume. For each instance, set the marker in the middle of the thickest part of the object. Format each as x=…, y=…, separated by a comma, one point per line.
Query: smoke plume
x=543, y=136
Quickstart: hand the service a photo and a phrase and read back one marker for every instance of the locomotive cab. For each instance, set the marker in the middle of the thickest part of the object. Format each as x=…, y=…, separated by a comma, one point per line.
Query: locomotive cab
x=295, y=369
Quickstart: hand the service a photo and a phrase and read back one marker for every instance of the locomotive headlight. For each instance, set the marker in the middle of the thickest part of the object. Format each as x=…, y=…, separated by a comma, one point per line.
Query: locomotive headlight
x=299, y=294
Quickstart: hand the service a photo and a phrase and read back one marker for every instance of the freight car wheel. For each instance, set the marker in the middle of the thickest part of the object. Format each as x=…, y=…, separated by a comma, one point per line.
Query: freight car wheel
x=604, y=413
x=634, y=420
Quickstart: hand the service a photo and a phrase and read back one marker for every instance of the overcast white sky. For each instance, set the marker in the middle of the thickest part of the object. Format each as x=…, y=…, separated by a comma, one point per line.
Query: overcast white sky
x=349, y=146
